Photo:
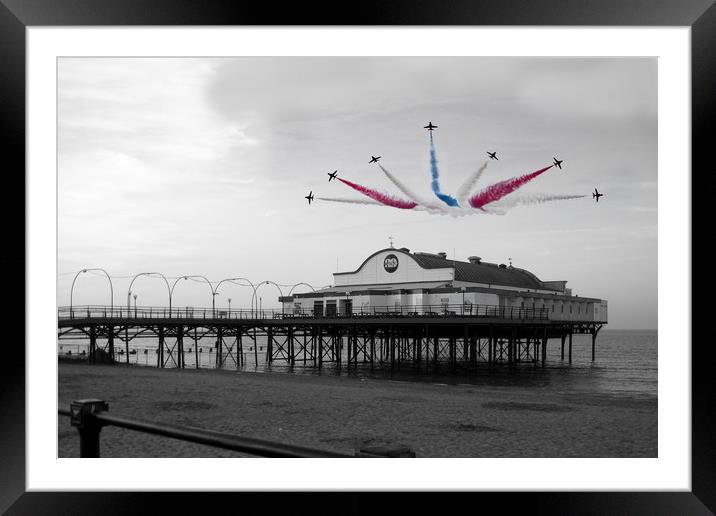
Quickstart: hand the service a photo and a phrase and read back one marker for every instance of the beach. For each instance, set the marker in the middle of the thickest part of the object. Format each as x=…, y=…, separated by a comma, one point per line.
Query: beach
x=342, y=413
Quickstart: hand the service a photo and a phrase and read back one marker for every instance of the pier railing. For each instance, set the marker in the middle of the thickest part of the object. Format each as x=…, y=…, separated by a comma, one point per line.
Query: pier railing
x=90, y=415
x=404, y=311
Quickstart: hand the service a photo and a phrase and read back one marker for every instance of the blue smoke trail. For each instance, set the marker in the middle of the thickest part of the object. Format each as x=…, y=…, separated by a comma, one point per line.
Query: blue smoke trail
x=447, y=199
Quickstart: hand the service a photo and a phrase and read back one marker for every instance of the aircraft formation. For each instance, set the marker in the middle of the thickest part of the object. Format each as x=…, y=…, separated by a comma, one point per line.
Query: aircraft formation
x=490, y=199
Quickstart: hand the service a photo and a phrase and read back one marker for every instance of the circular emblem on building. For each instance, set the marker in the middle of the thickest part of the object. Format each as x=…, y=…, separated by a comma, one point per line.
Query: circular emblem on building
x=390, y=263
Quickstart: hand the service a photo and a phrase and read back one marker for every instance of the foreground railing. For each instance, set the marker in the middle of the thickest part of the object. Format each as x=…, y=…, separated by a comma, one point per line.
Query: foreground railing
x=89, y=416
x=150, y=312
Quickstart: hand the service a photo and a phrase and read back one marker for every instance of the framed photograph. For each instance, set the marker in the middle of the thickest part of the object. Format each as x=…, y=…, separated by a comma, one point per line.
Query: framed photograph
x=429, y=234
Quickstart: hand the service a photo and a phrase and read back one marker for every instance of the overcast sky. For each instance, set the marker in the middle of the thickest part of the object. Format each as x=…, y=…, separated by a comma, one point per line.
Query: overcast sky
x=200, y=166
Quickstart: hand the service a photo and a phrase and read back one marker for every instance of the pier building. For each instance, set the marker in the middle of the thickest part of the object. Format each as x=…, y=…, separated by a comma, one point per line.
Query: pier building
x=397, y=281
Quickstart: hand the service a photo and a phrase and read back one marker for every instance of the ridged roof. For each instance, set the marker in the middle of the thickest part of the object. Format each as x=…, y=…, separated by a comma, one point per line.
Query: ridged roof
x=487, y=273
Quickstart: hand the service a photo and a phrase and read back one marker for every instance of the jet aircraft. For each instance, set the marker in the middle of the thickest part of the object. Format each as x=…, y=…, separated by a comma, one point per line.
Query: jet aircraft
x=430, y=126
x=332, y=175
x=309, y=197
x=374, y=159
x=493, y=155
x=558, y=163
x=596, y=195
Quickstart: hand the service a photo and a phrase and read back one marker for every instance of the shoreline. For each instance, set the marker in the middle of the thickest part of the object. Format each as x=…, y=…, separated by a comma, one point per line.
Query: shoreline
x=341, y=413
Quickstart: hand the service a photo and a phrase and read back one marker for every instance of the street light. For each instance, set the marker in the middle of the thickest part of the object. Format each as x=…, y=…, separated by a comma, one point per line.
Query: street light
x=234, y=280
x=213, y=305
x=229, y=300
x=129, y=290
x=135, y=305
x=111, y=287
x=171, y=290
x=302, y=283
x=277, y=286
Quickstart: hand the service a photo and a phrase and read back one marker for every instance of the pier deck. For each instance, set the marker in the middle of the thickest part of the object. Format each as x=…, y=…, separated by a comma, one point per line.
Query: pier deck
x=419, y=337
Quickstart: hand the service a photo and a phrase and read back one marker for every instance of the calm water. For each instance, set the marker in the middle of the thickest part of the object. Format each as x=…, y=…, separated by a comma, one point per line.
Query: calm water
x=626, y=364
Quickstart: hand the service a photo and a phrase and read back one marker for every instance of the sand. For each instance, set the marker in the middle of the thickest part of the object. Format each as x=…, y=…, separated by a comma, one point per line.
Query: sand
x=343, y=413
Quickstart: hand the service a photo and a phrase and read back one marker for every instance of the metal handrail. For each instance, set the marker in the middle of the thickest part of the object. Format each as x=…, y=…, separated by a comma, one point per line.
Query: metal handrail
x=89, y=416
x=406, y=311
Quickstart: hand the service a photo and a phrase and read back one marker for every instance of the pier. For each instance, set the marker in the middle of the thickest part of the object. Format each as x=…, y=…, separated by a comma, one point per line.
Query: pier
x=424, y=337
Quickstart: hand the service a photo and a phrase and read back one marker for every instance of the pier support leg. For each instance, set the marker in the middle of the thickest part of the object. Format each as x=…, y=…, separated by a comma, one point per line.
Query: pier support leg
x=291, y=356
x=180, y=346
x=564, y=337
x=490, y=348
x=269, y=345
x=391, y=343
x=93, y=345
x=304, y=346
x=570, y=346
x=594, y=343
x=160, y=351
x=239, y=349
x=110, y=343
x=436, y=343
x=320, y=348
x=256, y=350
x=126, y=344
x=349, y=350
x=219, y=361
x=196, y=349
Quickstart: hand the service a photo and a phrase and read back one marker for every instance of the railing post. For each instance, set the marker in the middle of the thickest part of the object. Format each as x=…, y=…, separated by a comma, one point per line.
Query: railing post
x=82, y=417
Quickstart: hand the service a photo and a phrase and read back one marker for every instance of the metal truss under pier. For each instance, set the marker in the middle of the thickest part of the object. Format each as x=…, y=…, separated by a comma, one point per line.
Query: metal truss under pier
x=444, y=342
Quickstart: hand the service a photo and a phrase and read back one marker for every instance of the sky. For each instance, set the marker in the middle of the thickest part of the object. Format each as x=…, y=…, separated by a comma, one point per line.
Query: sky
x=200, y=167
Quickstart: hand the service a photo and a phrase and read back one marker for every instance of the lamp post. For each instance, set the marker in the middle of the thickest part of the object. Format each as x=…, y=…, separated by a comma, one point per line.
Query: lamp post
x=111, y=287
x=129, y=290
x=135, y=305
x=229, y=300
x=234, y=280
x=277, y=286
x=171, y=290
x=213, y=303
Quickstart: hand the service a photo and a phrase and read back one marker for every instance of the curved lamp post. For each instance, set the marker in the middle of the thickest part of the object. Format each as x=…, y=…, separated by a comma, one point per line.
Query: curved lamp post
x=276, y=285
x=234, y=280
x=129, y=290
x=298, y=284
x=111, y=287
x=213, y=292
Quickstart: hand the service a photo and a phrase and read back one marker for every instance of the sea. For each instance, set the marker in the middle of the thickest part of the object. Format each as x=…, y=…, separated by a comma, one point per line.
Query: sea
x=626, y=364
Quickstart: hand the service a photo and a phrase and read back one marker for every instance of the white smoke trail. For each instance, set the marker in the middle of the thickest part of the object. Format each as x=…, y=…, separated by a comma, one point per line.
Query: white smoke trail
x=464, y=191
x=350, y=201
x=406, y=191
x=527, y=199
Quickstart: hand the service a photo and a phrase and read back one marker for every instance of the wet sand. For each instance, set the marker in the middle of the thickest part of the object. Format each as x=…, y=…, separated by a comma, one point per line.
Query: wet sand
x=343, y=413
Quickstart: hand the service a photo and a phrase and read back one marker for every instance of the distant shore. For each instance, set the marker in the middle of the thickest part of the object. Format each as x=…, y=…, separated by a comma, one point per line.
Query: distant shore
x=342, y=413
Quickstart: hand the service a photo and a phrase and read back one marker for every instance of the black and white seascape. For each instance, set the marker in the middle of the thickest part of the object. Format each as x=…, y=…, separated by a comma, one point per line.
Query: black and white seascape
x=431, y=257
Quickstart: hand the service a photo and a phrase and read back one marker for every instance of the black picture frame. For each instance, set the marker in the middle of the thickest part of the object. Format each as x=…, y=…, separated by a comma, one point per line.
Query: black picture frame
x=17, y=15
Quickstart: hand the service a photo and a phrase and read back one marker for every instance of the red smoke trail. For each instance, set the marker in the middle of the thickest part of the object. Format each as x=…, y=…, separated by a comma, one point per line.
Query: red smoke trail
x=380, y=197
x=499, y=190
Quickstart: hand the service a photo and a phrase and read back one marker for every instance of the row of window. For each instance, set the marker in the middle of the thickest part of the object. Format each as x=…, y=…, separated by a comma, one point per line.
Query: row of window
x=579, y=307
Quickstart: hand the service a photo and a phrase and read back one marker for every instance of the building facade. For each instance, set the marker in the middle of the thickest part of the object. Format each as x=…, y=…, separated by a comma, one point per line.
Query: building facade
x=398, y=281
